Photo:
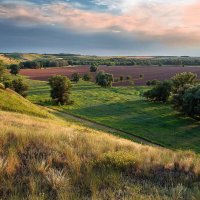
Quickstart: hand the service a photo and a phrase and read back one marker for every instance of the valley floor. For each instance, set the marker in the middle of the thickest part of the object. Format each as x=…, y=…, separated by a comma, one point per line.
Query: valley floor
x=124, y=109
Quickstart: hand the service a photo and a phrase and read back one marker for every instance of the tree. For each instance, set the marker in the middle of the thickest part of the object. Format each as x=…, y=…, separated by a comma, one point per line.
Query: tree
x=182, y=79
x=60, y=89
x=153, y=82
x=93, y=67
x=14, y=69
x=87, y=77
x=2, y=71
x=18, y=85
x=191, y=101
x=141, y=76
x=160, y=92
x=104, y=79
x=75, y=77
x=121, y=78
x=128, y=78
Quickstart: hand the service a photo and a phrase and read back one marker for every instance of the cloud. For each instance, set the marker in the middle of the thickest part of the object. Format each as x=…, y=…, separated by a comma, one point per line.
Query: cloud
x=146, y=20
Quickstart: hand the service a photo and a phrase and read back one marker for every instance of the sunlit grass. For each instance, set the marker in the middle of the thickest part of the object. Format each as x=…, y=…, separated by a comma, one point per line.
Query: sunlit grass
x=123, y=108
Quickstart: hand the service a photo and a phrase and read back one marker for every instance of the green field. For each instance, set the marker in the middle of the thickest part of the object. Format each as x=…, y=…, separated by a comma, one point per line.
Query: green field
x=123, y=108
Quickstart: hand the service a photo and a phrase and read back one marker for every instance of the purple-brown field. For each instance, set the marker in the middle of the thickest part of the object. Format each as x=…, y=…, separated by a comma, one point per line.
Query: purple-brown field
x=148, y=72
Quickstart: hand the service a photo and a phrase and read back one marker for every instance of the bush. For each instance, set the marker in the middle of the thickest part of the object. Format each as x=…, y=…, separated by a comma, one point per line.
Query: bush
x=18, y=85
x=141, y=76
x=14, y=69
x=2, y=70
x=160, y=92
x=60, y=89
x=182, y=79
x=128, y=78
x=75, y=77
x=104, y=79
x=191, y=101
x=87, y=77
x=153, y=82
x=93, y=67
x=118, y=160
x=121, y=78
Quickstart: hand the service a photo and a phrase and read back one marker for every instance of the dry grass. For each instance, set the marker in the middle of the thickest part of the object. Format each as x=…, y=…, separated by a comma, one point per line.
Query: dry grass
x=7, y=61
x=44, y=159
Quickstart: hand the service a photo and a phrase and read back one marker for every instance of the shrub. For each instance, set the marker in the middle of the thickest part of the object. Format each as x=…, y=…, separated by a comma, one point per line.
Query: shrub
x=191, y=101
x=121, y=78
x=2, y=70
x=160, y=92
x=87, y=77
x=182, y=79
x=14, y=69
x=60, y=89
x=153, y=82
x=93, y=67
x=18, y=85
x=75, y=77
x=118, y=160
x=141, y=76
x=128, y=78
x=104, y=79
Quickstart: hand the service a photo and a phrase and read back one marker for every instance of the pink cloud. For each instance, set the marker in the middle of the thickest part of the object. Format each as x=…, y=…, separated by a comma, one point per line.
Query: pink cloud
x=167, y=23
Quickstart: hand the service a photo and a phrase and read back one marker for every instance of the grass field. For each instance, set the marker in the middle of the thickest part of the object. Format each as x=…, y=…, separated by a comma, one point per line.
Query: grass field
x=123, y=108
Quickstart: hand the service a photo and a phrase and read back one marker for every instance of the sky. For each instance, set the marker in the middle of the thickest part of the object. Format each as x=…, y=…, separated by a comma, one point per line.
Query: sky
x=101, y=27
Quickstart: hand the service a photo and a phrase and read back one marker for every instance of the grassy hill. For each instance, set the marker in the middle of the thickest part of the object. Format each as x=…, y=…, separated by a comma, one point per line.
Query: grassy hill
x=42, y=157
x=11, y=101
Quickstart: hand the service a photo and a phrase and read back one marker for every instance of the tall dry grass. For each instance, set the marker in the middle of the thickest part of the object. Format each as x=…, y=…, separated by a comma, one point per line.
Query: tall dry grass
x=42, y=159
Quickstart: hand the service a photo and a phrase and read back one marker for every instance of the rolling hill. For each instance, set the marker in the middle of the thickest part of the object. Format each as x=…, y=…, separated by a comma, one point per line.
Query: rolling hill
x=11, y=101
x=42, y=158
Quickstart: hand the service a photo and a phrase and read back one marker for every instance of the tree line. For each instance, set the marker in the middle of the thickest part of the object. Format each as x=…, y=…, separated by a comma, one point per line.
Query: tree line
x=182, y=91
x=109, y=61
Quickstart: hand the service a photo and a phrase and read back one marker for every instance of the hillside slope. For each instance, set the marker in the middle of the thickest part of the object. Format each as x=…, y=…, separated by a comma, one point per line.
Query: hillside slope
x=11, y=101
x=40, y=159
x=7, y=60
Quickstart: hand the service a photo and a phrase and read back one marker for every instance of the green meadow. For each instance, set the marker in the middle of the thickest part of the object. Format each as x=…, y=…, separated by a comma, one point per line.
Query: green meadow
x=125, y=109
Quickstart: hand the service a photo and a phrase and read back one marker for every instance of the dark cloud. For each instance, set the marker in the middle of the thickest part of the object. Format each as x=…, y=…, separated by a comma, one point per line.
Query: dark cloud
x=53, y=39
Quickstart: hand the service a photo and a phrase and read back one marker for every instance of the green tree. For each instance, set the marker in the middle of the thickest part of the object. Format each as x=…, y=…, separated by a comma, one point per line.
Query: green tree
x=60, y=89
x=182, y=79
x=160, y=92
x=104, y=79
x=75, y=77
x=14, y=69
x=18, y=85
x=141, y=76
x=121, y=78
x=87, y=77
x=2, y=70
x=93, y=67
x=191, y=101
x=128, y=78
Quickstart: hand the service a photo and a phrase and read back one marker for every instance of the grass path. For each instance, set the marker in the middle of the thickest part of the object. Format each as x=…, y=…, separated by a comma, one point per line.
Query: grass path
x=92, y=124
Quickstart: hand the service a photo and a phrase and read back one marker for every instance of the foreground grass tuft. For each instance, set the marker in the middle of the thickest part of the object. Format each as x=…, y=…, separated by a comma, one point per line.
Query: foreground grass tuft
x=40, y=159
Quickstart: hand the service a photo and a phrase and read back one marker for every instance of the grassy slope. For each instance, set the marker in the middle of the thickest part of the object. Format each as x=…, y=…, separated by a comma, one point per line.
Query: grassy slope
x=7, y=61
x=11, y=101
x=49, y=159
x=40, y=159
x=124, y=109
